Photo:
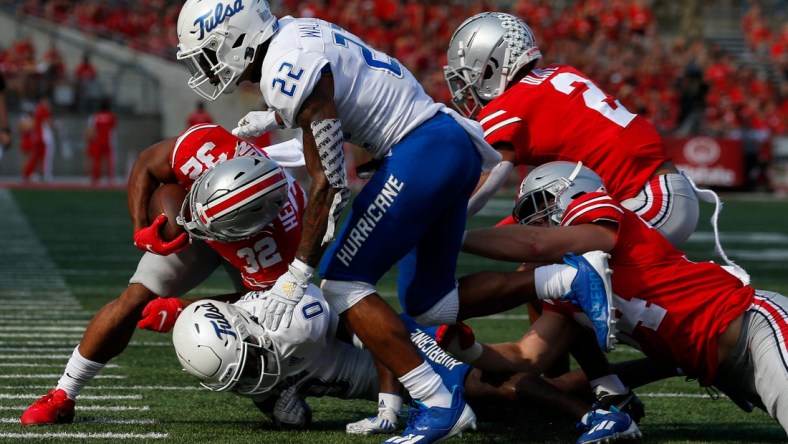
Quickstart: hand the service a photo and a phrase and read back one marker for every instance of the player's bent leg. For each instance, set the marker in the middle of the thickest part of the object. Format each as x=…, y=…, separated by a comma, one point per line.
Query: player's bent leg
x=592, y=290
x=106, y=336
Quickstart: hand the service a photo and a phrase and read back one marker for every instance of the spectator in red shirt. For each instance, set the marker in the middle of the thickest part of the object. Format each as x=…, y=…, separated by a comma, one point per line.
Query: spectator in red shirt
x=42, y=146
x=198, y=116
x=102, y=146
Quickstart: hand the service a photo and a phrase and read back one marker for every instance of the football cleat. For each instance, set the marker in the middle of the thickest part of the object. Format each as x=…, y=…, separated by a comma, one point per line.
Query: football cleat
x=628, y=403
x=592, y=291
x=385, y=422
x=52, y=408
x=435, y=424
x=603, y=426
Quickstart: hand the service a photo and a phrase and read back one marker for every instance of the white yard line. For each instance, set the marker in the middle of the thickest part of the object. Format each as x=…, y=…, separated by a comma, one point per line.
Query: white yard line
x=81, y=397
x=66, y=435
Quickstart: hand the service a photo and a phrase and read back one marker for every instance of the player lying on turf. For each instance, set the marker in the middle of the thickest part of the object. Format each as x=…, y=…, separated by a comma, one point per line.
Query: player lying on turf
x=695, y=316
x=169, y=267
x=227, y=348
x=227, y=193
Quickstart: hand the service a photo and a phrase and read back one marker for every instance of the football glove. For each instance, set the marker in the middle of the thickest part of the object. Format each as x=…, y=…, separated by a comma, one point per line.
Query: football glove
x=148, y=239
x=255, y=123
x=286, y=294
x=160, y=314
x=459, y=341
x=291, y=412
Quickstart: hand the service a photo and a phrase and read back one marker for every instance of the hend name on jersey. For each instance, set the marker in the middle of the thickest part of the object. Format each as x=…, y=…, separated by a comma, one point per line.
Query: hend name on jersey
x=368, y=221
x=432, y=350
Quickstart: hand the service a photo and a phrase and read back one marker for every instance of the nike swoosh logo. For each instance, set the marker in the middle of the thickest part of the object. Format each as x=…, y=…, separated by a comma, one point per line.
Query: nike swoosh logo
x=163, y=315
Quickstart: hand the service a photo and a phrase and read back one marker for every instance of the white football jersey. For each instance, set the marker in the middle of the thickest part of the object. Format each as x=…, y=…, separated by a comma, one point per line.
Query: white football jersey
x=310, y=356
x=378, y=100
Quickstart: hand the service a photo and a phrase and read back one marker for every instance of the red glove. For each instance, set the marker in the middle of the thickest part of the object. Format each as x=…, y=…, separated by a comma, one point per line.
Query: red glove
x=148, y=239
x=459, y=341
x=160, y=314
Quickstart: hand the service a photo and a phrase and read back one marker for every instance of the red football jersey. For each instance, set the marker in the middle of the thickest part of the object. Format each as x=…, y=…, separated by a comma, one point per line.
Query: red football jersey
x=556, y=113
x=673, y=308
x=262, y=258
x=103, y=124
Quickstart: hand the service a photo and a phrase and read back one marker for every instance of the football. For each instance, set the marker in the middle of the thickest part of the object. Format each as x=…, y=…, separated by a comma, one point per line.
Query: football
x=167, y=199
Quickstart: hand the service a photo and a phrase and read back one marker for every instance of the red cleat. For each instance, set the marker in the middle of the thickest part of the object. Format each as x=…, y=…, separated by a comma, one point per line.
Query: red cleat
x=52, y=408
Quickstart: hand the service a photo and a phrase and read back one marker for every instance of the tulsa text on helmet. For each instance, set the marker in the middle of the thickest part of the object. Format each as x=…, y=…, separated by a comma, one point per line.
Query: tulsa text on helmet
x=369, y=219
x=211, y=19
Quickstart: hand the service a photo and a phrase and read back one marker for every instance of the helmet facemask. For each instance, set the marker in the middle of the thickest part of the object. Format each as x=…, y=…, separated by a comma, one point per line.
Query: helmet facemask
x=549, y=189
x=234, y=200
x=226, y=349
x=218, y=41
x=485, y=53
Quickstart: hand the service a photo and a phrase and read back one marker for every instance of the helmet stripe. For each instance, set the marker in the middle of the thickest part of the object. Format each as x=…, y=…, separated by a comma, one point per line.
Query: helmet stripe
x=266, y=184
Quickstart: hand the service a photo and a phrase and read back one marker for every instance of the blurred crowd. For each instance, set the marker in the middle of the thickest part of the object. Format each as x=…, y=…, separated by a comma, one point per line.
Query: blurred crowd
x=683, y=86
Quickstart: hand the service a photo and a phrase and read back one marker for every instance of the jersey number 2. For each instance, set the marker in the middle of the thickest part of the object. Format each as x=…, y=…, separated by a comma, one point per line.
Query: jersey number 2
x=594, y=98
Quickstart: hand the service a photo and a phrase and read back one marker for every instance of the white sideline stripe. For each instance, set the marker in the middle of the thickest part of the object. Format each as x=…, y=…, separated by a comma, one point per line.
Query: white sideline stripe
x=41, y=328
x=112, y=408
x=750, y=237
x=109, y=387
x=28, y=364
x=27, y=324
x=81, y=397
x=84, y=435
x=676, y=395
x=41, y=335
x=53, y=375
x=71, y=348
x=34, y=357
x=15, y=420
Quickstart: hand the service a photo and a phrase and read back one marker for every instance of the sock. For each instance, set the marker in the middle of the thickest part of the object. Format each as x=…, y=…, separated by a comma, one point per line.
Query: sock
x=610, y=384
x=389, y=401
x=79, y=371
x=426, y=386
x=553, y=281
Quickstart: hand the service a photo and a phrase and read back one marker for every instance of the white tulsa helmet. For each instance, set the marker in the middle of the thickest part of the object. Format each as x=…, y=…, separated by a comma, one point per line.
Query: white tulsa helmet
x=485, y=53
x=219, y=39
x=225, y=348
x=234, y=200
x=550, y=188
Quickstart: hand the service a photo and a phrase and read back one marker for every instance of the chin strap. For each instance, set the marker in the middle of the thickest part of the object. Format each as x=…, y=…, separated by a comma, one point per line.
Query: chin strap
x=710, y=196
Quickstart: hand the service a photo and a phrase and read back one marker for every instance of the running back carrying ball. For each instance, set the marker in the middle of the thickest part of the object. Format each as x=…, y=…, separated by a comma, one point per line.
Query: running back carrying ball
x=167, y=199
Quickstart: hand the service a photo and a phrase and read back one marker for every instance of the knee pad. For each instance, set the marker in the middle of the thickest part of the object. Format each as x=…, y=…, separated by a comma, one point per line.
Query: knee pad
x=443, y=312
x=341, y=295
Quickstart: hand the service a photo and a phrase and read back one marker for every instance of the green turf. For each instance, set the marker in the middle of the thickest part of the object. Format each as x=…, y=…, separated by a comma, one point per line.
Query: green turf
x=87, y=236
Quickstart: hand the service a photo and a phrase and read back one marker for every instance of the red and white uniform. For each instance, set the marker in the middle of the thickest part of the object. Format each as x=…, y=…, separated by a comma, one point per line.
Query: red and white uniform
x=672, y=308
x=263, y=258
x=557, y=113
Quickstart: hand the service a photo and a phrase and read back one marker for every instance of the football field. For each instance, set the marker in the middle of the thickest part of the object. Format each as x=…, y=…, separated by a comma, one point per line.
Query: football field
x=65, y=253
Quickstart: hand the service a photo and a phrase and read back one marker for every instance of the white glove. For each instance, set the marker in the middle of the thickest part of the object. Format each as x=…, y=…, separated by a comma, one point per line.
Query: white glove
x=286, y=294
x=291, y=411
x=255, y=123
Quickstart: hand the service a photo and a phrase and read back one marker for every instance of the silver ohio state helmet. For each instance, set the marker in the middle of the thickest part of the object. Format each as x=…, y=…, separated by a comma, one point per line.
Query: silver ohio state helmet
x=485, y=53
x=225, y=349
x=219, y=38
x=234, y=200
x=549, y=189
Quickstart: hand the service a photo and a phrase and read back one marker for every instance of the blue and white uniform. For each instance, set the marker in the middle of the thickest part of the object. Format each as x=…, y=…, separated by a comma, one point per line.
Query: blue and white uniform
x=413, y=210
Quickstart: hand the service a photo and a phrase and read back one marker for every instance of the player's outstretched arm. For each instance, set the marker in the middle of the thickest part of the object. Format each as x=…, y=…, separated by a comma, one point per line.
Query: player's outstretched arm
x=523, y=243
